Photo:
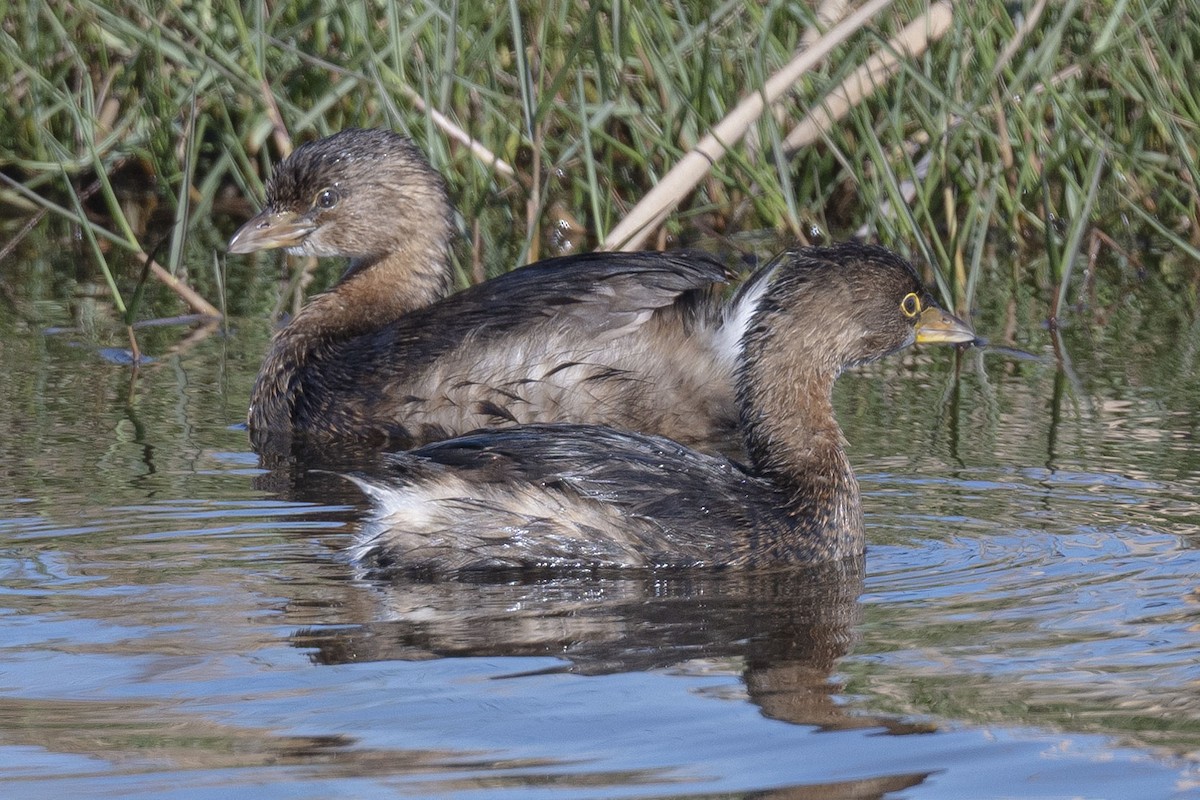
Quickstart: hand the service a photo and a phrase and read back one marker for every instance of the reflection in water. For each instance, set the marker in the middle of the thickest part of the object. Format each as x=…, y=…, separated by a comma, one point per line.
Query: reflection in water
x=178, y=622
x=141, y=739
x=786, y=628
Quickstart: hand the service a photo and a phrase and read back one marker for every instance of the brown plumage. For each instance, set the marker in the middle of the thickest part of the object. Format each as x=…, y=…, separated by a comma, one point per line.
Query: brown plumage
x=592, y=496
x=385, y=358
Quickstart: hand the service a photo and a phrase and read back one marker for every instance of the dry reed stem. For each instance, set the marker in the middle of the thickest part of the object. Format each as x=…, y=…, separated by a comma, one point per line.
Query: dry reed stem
x=186, y=293
x=458, y=134
x=648, y=214
x=828, y=13
x=874, y=72
x=1014, y=44
x=29, y=225
x=279, y=131
x=826, y=16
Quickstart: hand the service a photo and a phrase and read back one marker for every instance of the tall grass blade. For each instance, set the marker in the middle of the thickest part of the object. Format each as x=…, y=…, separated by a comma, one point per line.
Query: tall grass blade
x=1080, y=224
x=94, y=244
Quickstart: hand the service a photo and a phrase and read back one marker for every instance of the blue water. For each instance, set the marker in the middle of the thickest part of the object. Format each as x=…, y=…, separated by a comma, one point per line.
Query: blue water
x=174, y=622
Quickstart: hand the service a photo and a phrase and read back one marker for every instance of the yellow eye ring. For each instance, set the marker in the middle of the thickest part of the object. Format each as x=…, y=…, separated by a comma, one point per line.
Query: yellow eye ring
x=910, y=306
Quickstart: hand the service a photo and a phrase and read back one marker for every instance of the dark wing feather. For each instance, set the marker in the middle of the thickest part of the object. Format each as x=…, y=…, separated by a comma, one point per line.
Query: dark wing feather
x=673, y=505
x=599, y=295
x=366, y=386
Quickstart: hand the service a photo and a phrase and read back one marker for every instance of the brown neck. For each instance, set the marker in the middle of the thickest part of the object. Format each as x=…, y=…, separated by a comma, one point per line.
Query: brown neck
x=794, y=440
x=375, y=292
x=371, y=295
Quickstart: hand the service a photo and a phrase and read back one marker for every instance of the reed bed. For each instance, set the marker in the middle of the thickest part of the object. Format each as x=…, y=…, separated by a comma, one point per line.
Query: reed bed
x=1065, y=134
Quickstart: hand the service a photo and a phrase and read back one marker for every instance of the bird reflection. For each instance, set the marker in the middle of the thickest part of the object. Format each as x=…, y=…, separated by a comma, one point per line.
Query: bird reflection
x=786, y=629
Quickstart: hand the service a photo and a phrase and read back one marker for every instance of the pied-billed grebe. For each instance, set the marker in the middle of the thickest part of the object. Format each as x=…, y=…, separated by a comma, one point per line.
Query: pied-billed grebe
x=386, y=359
x=593, y=496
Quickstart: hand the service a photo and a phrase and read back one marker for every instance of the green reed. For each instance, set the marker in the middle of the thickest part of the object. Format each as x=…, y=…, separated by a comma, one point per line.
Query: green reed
x=1059, y=130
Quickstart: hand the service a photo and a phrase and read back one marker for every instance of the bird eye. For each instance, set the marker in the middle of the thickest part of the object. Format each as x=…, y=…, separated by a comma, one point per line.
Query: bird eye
x=910, y=305
x=326, y=198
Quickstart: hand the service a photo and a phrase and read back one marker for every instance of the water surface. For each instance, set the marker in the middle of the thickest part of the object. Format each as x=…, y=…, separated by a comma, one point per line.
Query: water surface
x=177, y=623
